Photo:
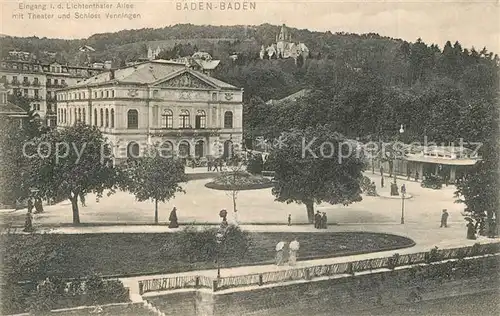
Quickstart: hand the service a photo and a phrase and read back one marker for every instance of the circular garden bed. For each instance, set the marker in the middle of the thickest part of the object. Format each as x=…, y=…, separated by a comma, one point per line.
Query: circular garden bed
x=239, y=180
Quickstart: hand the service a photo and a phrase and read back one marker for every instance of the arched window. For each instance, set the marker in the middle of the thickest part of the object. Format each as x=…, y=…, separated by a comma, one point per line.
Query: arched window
x=83, y=116
x=112, y=118
x=132, y=119
x=107, y=118
x=184, y=119
x=200, y=119
x=166, y=149
x=228, y=119
x=184, y=149
x=102, y=117
x=167, y=119
x=133, y=150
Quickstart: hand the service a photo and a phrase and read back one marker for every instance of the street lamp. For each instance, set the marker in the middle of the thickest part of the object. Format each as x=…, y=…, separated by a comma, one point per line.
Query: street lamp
x=219, y=238
x=403, y=193
x=401, y=131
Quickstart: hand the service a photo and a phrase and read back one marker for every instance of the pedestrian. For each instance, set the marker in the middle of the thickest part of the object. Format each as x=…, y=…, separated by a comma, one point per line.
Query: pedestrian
x=289, y=219
x=323, y=220
x=215, y=166
x=30, y=205
x=317, y=219
x=82, y=199
x=444, y=219
x=294, y=249
x=209, y=165
x=173, y=219
x=416, y=175
x=492, y=227
x=381, y=171
x=280, y=252
x=220, y=164
x=403, y=189
x=471, y=231
x=382, y=182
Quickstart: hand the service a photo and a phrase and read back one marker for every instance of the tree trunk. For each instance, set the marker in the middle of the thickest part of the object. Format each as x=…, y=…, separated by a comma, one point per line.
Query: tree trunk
x=234, y=201
x=156, y=211
x=310, y=211
x=74, y=205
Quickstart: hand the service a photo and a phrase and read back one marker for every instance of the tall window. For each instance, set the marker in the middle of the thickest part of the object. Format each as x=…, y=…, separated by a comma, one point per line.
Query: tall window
x=83, y=116
x=201, y=119
x=79, y=114
x=167, y=119
x=132, y=119
x=102, y=118
x=107, y=118
x=184, y=119
x=228, y=119
x=112, y=118
x=95, y=117
x=65, y=116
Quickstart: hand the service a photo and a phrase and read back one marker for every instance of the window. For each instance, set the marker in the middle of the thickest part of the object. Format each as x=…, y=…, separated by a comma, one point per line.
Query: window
x=102, y=117
x=79, y=115
x=4, y=79
x=112, y=118
x=112, y=93
x=63, y=82
x=83, y=115
x=25, y=92
x=36, y=93
x=200, y=119
x=48, y=81
x=25, y=80
x=184, y=119
x=167, y=119
x=107, y=94
x=95, y=117
x=107, y=118
x=95, y=94
x=14, y=78
x=102, y=94
x=228, y=119
x=56, y=82
x=35, y=81
x=132, y=119
x=214, y=96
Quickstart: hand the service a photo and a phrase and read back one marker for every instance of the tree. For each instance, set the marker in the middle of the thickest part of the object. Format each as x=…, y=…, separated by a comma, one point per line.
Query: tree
x=316, y=165
x=69, y=162
x=154, y=177
x=234, y=177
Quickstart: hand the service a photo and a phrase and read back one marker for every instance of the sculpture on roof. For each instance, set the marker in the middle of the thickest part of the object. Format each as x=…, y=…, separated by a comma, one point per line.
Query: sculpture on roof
x=284, y=47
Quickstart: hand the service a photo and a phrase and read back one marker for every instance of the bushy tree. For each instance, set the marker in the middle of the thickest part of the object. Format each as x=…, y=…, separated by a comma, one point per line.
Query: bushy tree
x=69, y=162
x=154, y=177
x=330, y=170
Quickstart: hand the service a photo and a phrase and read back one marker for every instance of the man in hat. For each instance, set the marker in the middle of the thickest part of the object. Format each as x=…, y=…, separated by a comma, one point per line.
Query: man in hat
x=444, y=219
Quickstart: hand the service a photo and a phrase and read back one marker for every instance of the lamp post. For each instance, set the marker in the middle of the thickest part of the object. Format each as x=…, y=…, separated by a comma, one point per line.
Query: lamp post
x=401, y=131
x=219, y=237
x=403, y=193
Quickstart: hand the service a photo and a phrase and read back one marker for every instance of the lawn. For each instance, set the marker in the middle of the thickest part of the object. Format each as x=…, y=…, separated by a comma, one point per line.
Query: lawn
x=79, y=255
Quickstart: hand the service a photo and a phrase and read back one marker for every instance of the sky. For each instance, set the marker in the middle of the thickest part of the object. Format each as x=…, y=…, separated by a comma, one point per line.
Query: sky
x=472, y=23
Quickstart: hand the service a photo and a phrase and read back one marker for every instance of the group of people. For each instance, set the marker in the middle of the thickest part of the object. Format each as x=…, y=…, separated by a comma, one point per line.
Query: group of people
x=214, y=165
x=320, y=220
x=293, y=250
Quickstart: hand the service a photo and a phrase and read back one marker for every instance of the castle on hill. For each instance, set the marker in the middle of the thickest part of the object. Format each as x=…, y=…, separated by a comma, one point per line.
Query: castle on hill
x=284, y=47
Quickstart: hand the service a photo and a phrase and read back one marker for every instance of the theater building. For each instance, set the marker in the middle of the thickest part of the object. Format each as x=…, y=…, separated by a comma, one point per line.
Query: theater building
x=160, y=103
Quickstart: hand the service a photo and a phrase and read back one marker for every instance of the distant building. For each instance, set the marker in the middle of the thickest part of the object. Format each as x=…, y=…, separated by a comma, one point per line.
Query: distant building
x=38, y=82
x=284, y=47
x=157, y=102
x=86, y=49
x=8, y=109
x=20, y=55
x=152, y=54
x=291, y=98
x=200, y=61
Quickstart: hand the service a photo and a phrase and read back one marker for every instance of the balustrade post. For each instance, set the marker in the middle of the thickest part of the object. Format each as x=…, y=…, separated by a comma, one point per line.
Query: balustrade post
x=141, y=288
x=214, y=285
x=307, y=274
x=197, y=281
x=261, y=281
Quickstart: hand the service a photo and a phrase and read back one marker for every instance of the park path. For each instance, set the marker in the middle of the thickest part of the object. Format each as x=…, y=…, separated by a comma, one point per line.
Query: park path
x=425, y=236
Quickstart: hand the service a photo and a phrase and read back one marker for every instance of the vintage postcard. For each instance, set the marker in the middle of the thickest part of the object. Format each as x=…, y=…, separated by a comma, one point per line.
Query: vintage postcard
x=234, y=157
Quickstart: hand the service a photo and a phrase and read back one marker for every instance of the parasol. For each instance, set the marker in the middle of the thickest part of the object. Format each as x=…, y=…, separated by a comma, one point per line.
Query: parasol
x=294, y=245
x=280, y=246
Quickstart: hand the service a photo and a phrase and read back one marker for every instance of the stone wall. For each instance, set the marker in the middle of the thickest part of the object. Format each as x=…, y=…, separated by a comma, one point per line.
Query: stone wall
x=339, y=295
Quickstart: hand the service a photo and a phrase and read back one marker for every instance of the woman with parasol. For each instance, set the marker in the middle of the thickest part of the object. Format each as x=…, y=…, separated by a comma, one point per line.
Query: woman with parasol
x=279, y=253
x=471, y=229
x=294, y=249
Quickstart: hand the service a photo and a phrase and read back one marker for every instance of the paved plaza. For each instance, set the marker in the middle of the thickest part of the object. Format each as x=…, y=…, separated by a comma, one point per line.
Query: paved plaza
x=201, y=205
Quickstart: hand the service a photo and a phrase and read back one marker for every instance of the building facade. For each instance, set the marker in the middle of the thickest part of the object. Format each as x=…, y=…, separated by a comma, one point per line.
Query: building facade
x=10, y=111
x=186, y=112
x=38, y=82
x=284, y=47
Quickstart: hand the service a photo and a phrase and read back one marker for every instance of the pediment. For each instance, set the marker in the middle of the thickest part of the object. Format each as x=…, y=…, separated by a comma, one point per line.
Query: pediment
x=185, y=80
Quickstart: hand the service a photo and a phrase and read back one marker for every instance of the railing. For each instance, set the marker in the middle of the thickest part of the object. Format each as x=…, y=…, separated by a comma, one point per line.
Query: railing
x=309, y=273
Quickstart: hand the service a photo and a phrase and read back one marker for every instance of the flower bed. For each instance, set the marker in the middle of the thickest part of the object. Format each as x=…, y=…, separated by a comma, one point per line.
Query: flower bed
x=239, y=181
